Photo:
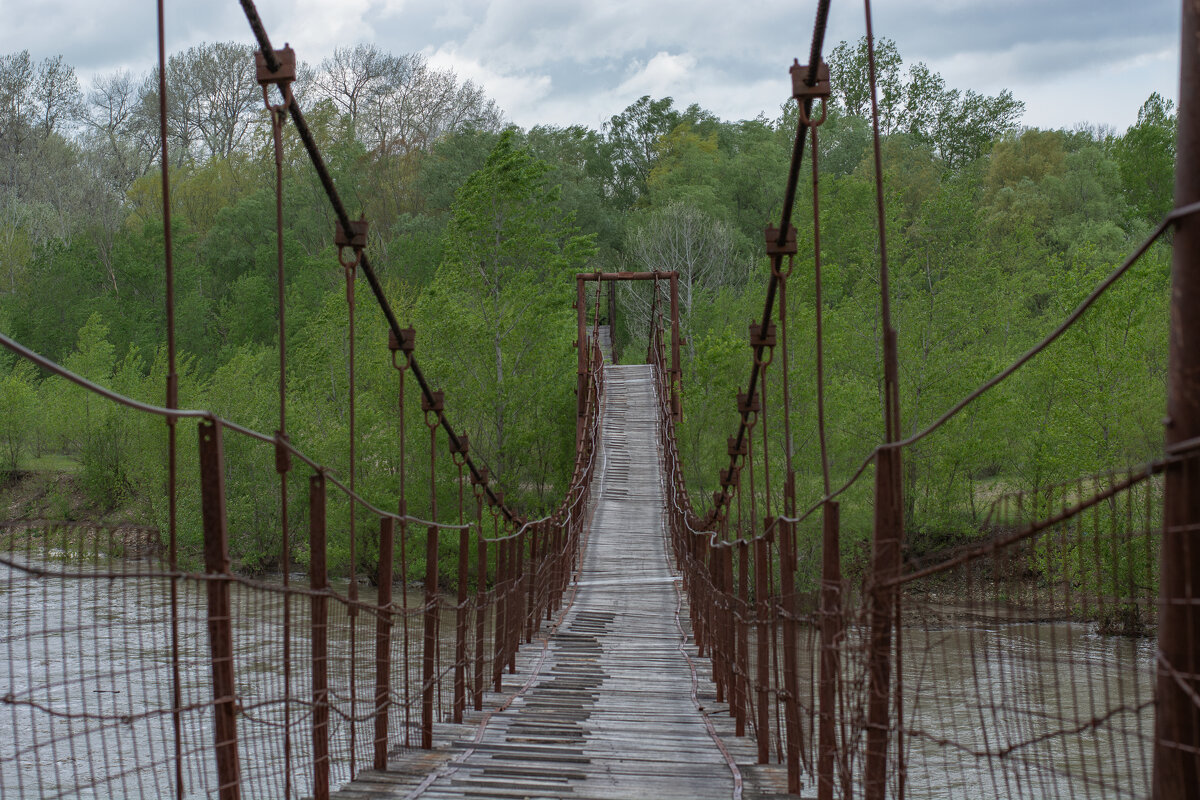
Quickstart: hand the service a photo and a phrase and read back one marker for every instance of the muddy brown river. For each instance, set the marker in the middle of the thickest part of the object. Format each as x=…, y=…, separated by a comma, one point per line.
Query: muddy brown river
x=86, y=688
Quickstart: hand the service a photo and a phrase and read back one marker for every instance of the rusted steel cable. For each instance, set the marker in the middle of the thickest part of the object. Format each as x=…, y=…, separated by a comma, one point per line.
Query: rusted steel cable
x=888, y=526
x=398, y=344
x=172, y=401
x=1101, y=288
x=819, y=314
x=790, y=188
x=891, y=376
x=351, y=234
x=1067, y=512
x=1167, y=221
x=343, y=217
x=138, y=405
x=282, y=457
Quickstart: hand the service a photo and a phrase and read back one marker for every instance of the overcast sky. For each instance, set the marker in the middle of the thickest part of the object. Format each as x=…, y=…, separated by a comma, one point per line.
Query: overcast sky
x=564, y=61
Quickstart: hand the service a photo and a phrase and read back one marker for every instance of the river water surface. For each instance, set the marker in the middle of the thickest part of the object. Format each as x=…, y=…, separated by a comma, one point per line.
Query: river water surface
x=1038, y=710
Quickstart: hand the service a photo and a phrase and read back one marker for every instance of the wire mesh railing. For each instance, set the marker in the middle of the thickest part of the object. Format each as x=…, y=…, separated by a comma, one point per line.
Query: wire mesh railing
x=127, y=675
x=1050, y=655
x=90, y=666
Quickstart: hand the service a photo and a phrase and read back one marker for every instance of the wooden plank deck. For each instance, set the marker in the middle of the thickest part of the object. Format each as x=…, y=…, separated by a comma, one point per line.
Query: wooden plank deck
x=610, y=710
x=604, y=337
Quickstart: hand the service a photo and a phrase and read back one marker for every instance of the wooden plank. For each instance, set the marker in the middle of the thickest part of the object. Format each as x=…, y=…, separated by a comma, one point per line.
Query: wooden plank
x=610, y=713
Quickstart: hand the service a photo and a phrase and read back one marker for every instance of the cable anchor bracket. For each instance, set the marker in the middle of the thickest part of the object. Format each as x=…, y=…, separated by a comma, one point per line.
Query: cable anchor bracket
x=283, y=76
x=805, y=95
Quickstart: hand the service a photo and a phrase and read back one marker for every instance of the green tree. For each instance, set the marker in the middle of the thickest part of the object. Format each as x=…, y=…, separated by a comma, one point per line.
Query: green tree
x=500, y=316
x=18, y=407
x=958, y=126
x=1145, y=157
x=632, y=136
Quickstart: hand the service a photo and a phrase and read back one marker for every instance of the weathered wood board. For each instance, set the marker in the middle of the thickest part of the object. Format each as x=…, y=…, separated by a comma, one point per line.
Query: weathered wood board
x=610, y=712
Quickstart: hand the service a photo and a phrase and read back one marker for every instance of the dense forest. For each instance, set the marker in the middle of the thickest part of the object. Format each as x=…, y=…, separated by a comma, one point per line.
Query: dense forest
x=995, y=232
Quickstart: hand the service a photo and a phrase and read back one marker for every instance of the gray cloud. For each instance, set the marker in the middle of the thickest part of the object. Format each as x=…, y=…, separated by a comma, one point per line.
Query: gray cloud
x=561, y=62
x=952, y=28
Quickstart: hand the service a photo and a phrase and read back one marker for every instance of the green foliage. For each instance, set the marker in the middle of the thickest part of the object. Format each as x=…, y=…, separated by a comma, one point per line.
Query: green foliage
x=18, y=412
x=1145, y=158
x=500, y=320
x=958, y=126
x=995, y=233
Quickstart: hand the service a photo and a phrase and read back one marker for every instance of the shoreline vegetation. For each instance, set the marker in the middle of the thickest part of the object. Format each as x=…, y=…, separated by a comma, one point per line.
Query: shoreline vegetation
x=996, y=231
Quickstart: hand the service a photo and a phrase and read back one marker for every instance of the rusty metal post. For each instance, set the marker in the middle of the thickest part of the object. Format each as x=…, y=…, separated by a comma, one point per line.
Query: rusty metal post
x=383, y=641
x=565, y=537
x=743, y=637
x=517, y=563
x=831, y=634
x=715, y=572
x=460, y=633
x=885, y=565
x=432, y=405
x=612, y=318
x=730, y=644
x=549, y=565
x=499, y=614
x=429, y=655
x=319, y=581
x=433, y=410
x=481, y=571
x=762, y=649
x=888, y=534
x=459, y=450
x=510, y=592
x=581, y=349
x=531, y=589
x=791, y=667
x=553, y=561
x=676, y=370
x=696, y=594
x=1177, y=724
x=220, y=612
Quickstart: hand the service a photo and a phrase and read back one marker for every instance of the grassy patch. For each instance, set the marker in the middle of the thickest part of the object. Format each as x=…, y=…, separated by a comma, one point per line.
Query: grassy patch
x=51, y=462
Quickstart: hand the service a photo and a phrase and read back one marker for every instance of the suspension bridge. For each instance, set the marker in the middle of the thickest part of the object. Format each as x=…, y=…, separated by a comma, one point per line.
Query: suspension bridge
x=635, y=642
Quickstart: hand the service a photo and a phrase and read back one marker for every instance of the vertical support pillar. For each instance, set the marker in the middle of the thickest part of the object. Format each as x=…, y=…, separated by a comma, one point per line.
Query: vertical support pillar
x=460, y=632
x=516, y=563
x=888, y=534
x=480, y=613
x=500, y=614
x=885, y=565
x=481, y=571
x=531, y=585
x=791, y=667
x=383, y=641
x=220, y=612
x=676, y=372
x=831, y=634
x=582, y=351
x=729, y=590
x=742, y=677
x=612, y=319
x=428, y=679
x=714, y=636
x=1177, y=722
x=553, y=557
x=319, y=581
x=763, y=647
x=432, y=405
x=563, y=539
